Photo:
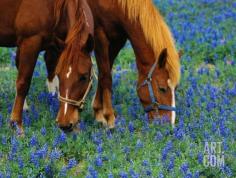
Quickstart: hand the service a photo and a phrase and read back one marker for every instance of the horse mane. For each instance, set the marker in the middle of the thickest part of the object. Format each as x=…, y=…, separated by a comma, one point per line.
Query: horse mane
x=156, y=32
x=73, y=45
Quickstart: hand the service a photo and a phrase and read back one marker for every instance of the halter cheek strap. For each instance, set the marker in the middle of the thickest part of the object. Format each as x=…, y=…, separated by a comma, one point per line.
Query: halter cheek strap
x=79, y=104
x=155, y=106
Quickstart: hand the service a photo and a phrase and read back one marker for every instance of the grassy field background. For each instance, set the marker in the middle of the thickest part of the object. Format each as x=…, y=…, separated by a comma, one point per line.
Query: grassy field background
x=206, y=101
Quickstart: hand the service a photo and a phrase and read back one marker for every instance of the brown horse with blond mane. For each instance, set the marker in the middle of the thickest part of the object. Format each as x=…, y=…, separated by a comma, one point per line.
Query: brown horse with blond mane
x=156, y=56
x=33, y=26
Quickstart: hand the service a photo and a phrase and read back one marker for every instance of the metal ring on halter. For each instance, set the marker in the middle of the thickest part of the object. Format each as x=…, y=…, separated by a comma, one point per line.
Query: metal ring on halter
x=155, y=106
x=79, y=104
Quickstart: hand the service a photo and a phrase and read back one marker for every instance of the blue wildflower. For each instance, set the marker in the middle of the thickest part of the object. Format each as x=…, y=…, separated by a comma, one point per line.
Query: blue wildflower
x=139, y=144
x=20, y=163
x=63, y=172
x=72, y=163
x=34, y=159
x=93, y=173
x=55, y=154
x=131, y=127
x=110, y=175
x=99, y=148
x=33, y=141
x=99, y=161
x=158, y=136
x=43, y=131
x=4, y=140
x=1, y=120
x=123, y=174
x=184, y=168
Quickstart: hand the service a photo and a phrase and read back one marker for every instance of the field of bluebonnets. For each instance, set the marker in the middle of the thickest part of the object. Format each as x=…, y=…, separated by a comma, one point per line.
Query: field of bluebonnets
x=206, y=100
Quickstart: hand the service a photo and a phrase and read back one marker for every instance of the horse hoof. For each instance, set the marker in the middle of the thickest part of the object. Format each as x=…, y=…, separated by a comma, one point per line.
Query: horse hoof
x=12, y=124
x=100, y=124
x=18, y=128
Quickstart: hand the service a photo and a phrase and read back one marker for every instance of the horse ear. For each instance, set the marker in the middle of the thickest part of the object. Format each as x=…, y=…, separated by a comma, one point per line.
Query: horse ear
x=162, y=58
x=89, y=46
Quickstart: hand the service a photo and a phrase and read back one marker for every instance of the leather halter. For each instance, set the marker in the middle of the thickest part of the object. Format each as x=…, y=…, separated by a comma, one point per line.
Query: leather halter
x=155, y=106
x=80, y=103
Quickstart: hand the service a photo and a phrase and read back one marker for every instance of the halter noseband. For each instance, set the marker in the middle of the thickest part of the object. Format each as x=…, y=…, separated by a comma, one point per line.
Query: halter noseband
x=155, y=106
x=79, y=104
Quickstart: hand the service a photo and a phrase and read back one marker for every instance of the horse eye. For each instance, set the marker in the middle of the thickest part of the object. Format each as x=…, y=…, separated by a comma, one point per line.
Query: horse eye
x=83, y=78
x=162, y=89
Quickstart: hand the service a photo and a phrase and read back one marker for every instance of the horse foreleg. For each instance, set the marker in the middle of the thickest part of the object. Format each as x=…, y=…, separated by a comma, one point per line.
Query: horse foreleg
x=26, y=106
x=51, y=59
x=28, y=52
x=114, y=49
x=102, y=58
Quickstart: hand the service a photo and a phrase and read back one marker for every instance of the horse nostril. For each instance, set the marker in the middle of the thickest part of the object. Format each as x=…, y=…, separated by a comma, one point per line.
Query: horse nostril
x=67, y=128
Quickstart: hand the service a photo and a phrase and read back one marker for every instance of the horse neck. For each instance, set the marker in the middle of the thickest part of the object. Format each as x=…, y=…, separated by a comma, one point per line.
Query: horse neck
x=144, y=53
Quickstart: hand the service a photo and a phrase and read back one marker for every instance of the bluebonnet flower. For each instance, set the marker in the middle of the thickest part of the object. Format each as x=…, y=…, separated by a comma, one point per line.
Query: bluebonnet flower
x=20, y=162
x=82, y=125
x=98, y=161
x=171, y=163
x=34, y=159
x=110, y=175
x=148, y=173
x=188, y=175
x=227, y=170
x=126, y=150
x=184, y=168
x=161, y=175
x=145, y=163
x=1, y=120
x=4, y=140
x=33, y=140
x=48, y=171
x=200, y=158
x=139, y=144
x=97, y=138
x=197, y=174
x=61, y=138
x=92, y=172
x=123, y=174
x=14, y=144
x=26, y=120
x=131, y=127
x=43, y=131
x=42, y=153
x=34, y=112
x=72, y=163
x=99, y=148
x=63, y=171
x=133, y=174
x=55, y=154
x=158, y=136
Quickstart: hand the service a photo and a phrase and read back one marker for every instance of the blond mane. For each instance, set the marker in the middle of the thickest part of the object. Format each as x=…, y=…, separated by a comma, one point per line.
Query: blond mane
x=156, y=32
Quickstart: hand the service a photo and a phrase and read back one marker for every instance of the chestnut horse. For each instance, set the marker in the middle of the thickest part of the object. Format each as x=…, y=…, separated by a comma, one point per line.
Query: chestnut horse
x=33, y=26
x=156, y=56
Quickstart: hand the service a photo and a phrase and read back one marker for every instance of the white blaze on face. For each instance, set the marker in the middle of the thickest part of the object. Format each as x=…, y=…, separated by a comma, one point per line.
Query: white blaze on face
x=69, y=72
x=66, y=104
x=173, y=114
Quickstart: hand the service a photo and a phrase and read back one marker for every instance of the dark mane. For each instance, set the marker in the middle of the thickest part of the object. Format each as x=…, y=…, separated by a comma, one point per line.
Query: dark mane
x=74, y=41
